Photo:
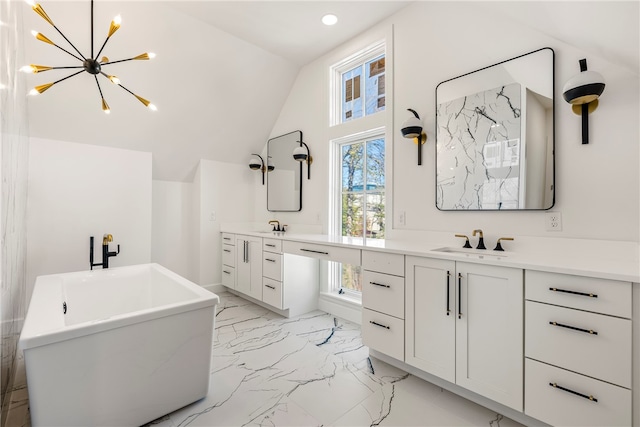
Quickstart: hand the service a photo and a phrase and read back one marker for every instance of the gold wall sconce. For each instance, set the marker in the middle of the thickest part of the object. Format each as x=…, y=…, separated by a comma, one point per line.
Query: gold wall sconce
x=256, y=163
x=412, y=129
x=302, y=154
x=582, y=92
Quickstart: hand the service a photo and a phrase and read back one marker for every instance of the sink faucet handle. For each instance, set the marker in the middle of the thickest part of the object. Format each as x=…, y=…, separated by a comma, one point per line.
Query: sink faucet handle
x=276, y=224
x=283, y=227
x=499, y=246
x=466, y=243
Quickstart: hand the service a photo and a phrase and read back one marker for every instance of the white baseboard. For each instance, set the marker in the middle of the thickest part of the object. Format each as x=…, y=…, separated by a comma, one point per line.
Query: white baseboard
x=215, y=287
x=348, y=310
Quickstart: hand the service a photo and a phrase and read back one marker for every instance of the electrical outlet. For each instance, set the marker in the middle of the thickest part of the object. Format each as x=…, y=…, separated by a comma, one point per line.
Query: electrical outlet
x=212, y=216
x=402, y=218
x=554, y=221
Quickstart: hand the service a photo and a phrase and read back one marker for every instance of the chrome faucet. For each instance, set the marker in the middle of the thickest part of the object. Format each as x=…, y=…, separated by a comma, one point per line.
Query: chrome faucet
x=481, y=241
x=105, y=252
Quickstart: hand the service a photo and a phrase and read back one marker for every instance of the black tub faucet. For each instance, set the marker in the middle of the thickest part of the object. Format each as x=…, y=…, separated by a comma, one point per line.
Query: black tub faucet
x=105, y=252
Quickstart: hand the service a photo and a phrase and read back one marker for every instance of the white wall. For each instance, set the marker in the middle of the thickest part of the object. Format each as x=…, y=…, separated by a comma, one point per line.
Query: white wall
x=172, y=228
x=227, y=191
x=77, y=191
x=597, y=185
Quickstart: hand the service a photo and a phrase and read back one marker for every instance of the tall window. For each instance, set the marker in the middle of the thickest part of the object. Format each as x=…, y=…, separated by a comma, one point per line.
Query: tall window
x=360, y=202
x=358, y=198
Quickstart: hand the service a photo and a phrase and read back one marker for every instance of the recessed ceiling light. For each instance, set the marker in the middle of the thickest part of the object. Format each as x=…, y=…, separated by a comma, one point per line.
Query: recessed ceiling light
x=329, y=19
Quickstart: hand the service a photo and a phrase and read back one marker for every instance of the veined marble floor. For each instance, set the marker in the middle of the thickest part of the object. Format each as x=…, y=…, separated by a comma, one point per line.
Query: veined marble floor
x=312, y=371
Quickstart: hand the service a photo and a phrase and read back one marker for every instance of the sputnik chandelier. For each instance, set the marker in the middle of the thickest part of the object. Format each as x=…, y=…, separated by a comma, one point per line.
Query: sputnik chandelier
x=90, y=64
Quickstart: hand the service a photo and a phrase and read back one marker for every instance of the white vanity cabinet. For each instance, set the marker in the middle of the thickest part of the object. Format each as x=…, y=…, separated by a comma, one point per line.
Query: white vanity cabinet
x=229, y=260
x=464, y=323
x=578, y=349
x=289, y=282
x=249, y=266
x=383, y=302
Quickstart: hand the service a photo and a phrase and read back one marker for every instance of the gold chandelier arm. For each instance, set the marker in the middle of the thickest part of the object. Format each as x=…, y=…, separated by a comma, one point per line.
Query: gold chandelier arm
x=45, y=39
x=105, y=106
x=35, y=69
x=142, y=57
x=146, y=102
x=42, y=88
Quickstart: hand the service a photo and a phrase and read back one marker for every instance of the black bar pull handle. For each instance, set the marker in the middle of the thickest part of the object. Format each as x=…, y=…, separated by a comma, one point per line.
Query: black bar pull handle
x=315, y=252
x=582, y=294
x=448, y=277
x=589, y=397
x=226, y=272
x=271, y=287
x=379, y=324
x=226, y=238
x=270, y=260
x=227, y=250
x=270, y=245
x=379, y=284
x=573, y=328
x=459, y=296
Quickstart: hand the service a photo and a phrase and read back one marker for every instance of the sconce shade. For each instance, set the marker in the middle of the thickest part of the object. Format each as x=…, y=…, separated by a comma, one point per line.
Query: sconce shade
x=583, y=88
x=300, y=154
x=270, y=165
x=255, y=163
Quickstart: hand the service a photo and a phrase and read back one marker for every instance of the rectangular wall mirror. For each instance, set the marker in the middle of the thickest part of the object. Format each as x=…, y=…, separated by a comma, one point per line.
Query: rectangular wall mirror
x=495, y=136
x=284, y=174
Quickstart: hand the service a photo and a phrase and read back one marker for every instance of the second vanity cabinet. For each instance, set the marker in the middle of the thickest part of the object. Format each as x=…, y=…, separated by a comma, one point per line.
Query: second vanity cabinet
x=464, y=323
x=383, y=302
x=578, y=350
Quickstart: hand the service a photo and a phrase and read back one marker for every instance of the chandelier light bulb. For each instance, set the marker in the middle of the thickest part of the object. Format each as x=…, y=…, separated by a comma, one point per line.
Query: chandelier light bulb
x=152, y=107
x=151, y=55
x=30, y=2
x=34, y=33
x=105, y=107
x=104, y=59
x=114, y=79
x=34, y=92
x=115, y=25
x=117, y=19
x=28, y=69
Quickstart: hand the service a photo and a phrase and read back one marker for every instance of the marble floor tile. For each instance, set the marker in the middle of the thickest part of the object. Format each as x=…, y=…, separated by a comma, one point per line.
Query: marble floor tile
x=312, y=370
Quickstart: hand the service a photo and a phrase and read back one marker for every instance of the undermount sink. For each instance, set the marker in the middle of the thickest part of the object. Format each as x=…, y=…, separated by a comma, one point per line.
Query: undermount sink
x=472, y=253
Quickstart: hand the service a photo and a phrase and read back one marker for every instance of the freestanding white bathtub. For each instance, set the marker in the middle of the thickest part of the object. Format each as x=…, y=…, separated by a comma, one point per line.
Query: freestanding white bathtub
x=116, y=347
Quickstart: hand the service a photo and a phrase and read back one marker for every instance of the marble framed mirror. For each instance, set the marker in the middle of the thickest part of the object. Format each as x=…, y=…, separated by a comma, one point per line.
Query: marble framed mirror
x=284, y=174
x=495, y=136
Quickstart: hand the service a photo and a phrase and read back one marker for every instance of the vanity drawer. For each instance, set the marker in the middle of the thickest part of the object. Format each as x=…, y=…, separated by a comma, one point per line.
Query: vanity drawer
x=559, y=407
x=383, y=333
x=383, y=293
x=272, y=245
x=228, y=239
x=229, y=276
x=272, y=266
x=604, y=354
x=383, y=262
x=272, y=293
x=584, y=293
x=229, y=255
x=325, y=252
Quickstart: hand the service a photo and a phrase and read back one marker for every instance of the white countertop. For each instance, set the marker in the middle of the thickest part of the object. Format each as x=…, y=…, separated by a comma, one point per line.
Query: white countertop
x=602, y=259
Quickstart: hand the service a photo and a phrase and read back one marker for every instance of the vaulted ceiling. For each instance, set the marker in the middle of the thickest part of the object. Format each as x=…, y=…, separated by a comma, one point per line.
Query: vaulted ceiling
x=222, y=73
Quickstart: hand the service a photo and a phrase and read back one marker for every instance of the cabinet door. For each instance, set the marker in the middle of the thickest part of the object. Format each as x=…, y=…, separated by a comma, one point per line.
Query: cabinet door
x=430, y=316
x=255, y=267
x=249, y=266
x=489, y=332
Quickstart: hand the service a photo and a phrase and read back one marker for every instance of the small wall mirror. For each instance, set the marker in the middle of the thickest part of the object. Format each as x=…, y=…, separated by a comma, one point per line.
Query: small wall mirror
x=284, y=180
x=495, y=136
